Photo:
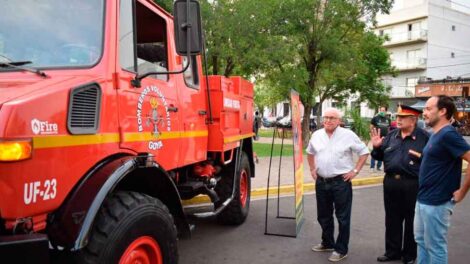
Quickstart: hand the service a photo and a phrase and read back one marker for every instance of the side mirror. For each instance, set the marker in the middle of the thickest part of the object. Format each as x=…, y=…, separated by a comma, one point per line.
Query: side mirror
x=188, y=33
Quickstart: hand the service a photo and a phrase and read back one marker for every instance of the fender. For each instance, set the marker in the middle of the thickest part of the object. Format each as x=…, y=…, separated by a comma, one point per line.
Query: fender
x=71, y=224
x=248, y=149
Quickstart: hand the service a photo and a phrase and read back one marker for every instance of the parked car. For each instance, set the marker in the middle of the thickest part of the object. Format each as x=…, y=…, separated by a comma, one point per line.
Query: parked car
x=285, y=122
x=347, y=123
x=269, y=121
x=313, y=124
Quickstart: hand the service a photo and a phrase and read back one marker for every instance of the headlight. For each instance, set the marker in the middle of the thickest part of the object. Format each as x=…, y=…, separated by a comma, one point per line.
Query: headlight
x=15, y=150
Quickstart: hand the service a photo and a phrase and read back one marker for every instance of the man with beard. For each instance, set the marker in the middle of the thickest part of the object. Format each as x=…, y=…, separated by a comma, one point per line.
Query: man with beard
x=401, y=152
x=439, y=181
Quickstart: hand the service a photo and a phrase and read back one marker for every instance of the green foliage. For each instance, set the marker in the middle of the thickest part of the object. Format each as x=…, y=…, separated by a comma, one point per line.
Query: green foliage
x=268, y=133
x=166, y=4
x=360, y=126
x=236, y=36
x=320, y=48
x=264, y=150
x=330, y=53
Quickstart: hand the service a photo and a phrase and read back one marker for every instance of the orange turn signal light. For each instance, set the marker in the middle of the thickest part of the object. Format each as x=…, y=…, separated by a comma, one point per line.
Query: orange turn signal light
x=15, y=150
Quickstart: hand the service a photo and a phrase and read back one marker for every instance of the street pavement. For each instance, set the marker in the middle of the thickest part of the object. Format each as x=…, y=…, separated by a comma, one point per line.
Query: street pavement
x=212, y=243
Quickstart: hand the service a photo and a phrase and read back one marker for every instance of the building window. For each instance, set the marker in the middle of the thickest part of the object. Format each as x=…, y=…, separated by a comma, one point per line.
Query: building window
x=413, y=58
x=453, y=27
x=452, y=55
x=381, y=32
x=285, y=109
x=410, y=27
x=410, y=86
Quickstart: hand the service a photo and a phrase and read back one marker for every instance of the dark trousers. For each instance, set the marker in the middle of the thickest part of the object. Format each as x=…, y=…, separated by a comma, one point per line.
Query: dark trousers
x=334, y=196
x=400, y=200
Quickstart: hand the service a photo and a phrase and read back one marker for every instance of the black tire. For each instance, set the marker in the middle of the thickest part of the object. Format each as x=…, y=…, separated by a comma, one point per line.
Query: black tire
x=237, y=211
x=128, y=217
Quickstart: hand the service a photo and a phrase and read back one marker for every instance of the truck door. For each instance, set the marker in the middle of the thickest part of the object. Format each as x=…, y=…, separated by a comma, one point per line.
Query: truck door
x=194, y=112
x=148, y=115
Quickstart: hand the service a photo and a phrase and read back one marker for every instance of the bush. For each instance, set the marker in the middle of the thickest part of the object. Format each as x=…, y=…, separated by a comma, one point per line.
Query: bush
x=361, y=125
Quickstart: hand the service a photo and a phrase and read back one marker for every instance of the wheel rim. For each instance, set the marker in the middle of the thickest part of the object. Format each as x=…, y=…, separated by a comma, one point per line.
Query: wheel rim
x=144, y=250
x=243, y=188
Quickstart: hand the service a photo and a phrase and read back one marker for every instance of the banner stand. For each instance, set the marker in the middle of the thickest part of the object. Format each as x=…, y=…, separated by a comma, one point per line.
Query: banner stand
x=278, y=216
x=298, y=172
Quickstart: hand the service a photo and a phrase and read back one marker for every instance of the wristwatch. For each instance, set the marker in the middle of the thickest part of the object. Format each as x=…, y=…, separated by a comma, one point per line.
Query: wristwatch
x=356, y=171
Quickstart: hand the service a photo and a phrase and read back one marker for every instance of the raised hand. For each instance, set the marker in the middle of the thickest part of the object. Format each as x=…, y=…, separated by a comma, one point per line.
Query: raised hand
x=375, y=137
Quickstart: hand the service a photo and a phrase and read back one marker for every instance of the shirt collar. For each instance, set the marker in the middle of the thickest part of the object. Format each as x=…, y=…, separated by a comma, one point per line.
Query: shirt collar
x=413, y=134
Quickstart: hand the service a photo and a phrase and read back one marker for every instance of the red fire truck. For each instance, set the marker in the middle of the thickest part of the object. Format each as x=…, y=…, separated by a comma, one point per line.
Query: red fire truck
x=107, y=124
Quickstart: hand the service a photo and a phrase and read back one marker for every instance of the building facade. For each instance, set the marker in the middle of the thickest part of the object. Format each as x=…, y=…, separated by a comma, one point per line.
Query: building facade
x=427, y=40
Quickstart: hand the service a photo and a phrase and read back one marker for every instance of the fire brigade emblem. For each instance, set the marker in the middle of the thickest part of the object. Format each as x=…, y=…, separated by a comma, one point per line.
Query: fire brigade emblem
x=152, y=113
x=154, y=119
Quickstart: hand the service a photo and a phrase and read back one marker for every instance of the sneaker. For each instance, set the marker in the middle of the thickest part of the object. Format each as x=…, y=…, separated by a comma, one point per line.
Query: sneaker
x=335, y=256
x=372, y=170
x=322, y=248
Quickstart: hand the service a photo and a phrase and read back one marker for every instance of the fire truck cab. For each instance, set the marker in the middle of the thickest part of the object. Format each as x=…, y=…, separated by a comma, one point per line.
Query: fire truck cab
x=107, y=124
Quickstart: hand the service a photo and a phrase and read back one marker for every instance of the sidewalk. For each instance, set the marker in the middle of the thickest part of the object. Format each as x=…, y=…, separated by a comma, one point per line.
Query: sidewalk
x=259, y=183
x=287, y=169
x=286, y=182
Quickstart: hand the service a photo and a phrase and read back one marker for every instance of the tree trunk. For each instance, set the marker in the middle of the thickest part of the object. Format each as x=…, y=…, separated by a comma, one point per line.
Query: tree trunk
x=215, y=65
x=306, y=125
x=229, y=67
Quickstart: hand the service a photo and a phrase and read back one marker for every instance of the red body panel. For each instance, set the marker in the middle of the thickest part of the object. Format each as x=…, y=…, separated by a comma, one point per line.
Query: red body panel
x=60, y=159
x=232, y=107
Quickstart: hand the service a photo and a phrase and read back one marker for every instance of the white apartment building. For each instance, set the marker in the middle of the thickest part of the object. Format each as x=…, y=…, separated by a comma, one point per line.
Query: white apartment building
x=426, y=39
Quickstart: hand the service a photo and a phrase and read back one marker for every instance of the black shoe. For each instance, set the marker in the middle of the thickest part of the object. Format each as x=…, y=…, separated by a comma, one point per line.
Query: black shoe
x=411, y=261
x=386, y=258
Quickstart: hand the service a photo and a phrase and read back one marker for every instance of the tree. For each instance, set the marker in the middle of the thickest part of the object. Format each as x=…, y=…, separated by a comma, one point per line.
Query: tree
x=234, y=35
x=166, y=4
x=327, y=46
x=234, y=30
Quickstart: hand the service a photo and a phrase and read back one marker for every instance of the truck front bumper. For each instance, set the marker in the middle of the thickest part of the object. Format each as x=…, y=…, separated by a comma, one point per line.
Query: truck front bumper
x=29, y=248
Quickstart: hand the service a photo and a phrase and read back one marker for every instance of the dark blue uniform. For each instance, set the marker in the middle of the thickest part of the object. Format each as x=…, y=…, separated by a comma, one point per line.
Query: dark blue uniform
x=400, y=189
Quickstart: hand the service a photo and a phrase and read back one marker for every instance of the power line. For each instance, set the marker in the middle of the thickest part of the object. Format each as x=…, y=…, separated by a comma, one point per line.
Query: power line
x=449, y=65
x=448, y=57
x=459, y=4
x=449, y=19
x=447, y=47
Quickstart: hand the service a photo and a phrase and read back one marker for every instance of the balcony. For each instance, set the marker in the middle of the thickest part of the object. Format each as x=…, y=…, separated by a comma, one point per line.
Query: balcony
x=412, y=64
x=406, y=38
x=402, y=92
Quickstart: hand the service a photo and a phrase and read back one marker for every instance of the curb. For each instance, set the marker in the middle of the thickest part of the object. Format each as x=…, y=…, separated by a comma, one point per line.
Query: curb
x=285, y=190
x=260, y=193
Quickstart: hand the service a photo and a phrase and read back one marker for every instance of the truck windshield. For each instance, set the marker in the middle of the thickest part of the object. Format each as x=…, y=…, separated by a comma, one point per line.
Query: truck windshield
x=51, y=33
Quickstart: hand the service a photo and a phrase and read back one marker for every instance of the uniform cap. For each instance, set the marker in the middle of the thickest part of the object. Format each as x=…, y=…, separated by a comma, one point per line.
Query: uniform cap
x=404, y=110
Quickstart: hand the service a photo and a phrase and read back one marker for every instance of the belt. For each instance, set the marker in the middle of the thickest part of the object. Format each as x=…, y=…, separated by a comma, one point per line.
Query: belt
x=400, y=176
x=330, y=179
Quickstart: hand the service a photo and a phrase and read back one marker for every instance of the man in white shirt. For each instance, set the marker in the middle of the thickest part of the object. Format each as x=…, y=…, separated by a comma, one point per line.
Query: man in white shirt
x=330, y=157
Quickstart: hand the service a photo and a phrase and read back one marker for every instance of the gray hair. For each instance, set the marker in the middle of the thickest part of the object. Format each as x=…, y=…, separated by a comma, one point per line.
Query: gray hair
x=335, y=111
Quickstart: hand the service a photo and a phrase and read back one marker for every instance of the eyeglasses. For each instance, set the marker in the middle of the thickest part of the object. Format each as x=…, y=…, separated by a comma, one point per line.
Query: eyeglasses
x=329, y=118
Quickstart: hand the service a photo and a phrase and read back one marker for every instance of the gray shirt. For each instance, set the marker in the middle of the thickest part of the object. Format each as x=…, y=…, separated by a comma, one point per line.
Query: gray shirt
x=334, y=156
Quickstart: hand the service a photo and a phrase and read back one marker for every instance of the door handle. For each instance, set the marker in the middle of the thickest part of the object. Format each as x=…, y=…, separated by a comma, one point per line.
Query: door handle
x=202, y=112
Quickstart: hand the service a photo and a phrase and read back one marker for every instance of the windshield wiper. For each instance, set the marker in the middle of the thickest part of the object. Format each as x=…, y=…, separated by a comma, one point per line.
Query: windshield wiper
x=18, y=65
